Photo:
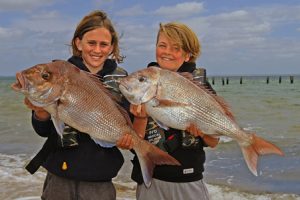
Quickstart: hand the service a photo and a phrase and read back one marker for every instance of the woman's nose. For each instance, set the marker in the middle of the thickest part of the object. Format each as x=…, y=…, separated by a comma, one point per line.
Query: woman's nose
x=97, y=48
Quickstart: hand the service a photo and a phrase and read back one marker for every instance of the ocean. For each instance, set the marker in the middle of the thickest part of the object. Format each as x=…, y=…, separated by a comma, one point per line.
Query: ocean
x=271, y=110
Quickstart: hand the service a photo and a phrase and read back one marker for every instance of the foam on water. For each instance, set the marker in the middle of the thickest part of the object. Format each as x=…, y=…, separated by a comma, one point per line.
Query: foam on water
x=18, y=184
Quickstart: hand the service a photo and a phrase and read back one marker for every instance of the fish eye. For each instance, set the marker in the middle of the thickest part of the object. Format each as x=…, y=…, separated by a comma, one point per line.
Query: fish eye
x=142, y=79
x=45, y=75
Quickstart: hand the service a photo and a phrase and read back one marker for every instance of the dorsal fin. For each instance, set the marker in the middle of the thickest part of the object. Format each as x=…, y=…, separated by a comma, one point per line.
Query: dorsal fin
x=219, y=99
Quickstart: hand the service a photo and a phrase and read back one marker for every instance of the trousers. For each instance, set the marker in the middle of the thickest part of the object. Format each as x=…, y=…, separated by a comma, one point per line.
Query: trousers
x=162, y=190
x=58, y=188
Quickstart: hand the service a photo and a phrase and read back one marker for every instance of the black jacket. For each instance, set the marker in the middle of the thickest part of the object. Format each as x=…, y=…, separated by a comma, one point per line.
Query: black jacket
x=177, y=143
x=87, y=161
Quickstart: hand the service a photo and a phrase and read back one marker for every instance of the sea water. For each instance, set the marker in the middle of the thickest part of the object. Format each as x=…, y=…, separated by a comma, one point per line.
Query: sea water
x=271, y=110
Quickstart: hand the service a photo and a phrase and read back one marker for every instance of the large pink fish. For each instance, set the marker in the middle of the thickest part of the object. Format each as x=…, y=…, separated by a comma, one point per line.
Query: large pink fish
x=79, y=99
x=174, y=101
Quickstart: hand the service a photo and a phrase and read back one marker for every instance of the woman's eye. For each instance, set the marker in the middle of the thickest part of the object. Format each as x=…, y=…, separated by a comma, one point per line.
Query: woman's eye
x=104, y=44
x=45, y=76
x=142, y=79
x=92, y=43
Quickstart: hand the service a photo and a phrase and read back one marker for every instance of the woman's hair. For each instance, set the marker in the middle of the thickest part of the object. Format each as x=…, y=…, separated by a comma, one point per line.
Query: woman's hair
x=94, y=20
x=183, y=36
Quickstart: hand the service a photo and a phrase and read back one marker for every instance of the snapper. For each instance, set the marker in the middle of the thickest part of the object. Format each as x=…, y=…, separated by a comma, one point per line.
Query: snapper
x=174, y=100
x=80, y=100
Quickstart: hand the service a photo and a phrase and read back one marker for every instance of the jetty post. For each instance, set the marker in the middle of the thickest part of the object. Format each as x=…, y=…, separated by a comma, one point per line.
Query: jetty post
x=279, y=79
x=291, y=79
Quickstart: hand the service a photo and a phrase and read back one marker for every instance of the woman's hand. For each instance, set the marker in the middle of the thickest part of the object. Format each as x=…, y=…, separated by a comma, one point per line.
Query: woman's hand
x=209, y=140
x=40, y=113
x=125, y=142
x=138, y=110
x=193, y=130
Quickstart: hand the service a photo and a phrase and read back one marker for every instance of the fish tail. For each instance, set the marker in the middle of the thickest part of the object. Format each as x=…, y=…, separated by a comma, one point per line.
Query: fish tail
x=149, y=156
x=258, y=147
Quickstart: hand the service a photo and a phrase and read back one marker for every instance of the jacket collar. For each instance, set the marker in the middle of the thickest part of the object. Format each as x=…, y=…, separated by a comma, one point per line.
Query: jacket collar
x=185, y=67
x=108, y=67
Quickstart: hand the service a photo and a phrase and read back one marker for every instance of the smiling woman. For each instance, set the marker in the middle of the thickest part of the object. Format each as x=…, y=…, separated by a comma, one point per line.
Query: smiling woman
x=177, y=48
x=95, y=46
x=75, y=161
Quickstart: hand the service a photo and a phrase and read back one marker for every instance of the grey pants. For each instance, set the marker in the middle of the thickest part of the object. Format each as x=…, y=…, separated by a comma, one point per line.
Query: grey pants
x=162, y=190
x=58, y=188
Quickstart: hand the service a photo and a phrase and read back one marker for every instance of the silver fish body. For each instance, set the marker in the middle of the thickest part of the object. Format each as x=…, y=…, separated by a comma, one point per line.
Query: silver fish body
x=175, y=101
x=79, y=99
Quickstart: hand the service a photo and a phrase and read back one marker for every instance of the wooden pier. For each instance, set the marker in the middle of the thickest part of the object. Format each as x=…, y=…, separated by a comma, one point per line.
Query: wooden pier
x=226, y=80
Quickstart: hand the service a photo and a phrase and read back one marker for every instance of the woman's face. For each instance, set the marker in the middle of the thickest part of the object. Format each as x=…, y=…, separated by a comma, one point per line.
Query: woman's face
x=169, y=55
x=95, y=47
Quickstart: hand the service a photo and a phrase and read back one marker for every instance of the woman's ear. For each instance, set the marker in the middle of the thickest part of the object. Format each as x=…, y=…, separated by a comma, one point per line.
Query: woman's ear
x=187, y=57
x=78, y=44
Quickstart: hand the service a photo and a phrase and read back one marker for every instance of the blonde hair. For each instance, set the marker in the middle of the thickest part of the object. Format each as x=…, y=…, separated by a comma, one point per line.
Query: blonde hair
x=96, y=19
x=183, y=36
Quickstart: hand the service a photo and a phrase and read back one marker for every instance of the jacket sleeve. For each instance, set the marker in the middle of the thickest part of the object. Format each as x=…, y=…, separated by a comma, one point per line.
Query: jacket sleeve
x=42, y=128
x=112, y=84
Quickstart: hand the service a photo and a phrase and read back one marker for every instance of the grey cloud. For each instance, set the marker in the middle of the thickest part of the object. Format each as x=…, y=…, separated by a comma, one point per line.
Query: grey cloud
x=6, y=33
x=132, y=11
x=23, y=5
x=180, y=10
x=46, y=22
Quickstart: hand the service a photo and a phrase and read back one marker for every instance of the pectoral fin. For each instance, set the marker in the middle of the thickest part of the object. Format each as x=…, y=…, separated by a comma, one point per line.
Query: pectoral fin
x=168, y=103
x=59, y=125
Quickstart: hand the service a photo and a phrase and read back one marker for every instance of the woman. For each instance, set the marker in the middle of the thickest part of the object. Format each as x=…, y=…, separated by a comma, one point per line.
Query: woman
x=77, y=167
x=177, y=49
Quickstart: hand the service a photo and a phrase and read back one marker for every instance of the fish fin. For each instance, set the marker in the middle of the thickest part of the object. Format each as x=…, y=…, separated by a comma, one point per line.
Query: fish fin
x=250, y=156
x=225, y=106
x=59, y=125
x=258, y=147
x=169, y=103
x=264, y=147
x=149, y=156
x=219, y=99
x=103, y=143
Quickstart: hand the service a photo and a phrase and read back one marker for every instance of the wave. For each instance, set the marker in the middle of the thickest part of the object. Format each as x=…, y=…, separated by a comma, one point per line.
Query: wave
x=16, y=183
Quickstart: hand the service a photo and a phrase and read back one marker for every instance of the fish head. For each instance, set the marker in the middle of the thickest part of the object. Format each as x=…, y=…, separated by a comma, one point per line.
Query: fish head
x=140, y=86
x=42, y=84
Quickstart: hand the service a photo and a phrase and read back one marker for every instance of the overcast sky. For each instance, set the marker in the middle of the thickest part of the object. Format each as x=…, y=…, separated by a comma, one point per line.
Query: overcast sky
x=238, y=37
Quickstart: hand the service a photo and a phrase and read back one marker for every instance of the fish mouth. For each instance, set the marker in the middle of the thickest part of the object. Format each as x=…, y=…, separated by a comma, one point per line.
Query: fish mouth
x=124, y=87
x=20, y=82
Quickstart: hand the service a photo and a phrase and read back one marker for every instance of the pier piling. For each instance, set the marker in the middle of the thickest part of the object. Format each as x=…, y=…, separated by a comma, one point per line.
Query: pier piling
x=291, y=79
x=279, y=79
